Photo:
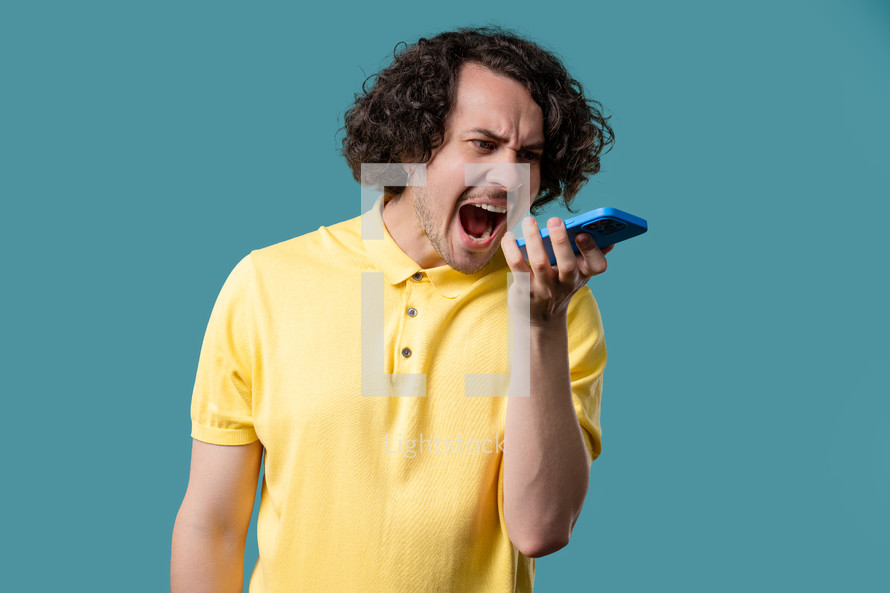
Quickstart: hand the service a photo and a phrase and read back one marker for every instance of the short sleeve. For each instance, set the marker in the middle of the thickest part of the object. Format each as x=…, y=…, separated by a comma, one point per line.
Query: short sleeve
x=587, y=361
x=221, y=410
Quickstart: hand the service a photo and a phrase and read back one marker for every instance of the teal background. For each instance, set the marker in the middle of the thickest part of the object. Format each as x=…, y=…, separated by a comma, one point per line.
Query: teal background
x=146, y=147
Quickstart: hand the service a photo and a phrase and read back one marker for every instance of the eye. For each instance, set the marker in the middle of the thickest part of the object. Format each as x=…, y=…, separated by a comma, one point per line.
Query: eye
x=530, y=156
x=484, y=144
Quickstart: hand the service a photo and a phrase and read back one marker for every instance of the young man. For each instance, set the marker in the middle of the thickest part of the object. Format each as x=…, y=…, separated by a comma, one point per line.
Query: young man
x=366, y=358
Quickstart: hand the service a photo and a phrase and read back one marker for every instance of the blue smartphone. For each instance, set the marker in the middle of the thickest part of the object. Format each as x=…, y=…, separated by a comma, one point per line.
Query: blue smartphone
x=607, y=226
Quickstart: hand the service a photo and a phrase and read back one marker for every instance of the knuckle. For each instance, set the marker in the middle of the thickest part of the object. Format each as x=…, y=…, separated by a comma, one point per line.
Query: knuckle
x=540, y=265
x=559, y=238
x=573, y=271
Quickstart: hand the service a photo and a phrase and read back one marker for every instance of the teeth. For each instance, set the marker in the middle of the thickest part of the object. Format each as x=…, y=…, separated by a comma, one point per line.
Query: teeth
x=491, y=208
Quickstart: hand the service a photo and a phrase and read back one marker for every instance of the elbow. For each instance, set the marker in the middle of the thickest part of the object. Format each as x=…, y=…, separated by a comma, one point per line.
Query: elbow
x=540, y=534
x=540, y=539
x=540, y=527
x=542, y=546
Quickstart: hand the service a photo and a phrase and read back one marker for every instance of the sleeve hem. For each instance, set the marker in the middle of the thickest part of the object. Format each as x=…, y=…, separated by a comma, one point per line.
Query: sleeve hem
x=223, y=436
x=592, y=443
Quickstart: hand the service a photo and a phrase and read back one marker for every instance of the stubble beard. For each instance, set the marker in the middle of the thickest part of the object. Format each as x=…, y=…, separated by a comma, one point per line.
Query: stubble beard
x=427, y=223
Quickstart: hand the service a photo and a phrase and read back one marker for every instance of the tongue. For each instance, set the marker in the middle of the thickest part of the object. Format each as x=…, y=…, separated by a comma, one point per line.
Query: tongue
x=474, y=219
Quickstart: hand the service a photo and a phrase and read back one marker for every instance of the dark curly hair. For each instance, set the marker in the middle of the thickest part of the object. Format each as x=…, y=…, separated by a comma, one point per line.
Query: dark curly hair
x=400, y=115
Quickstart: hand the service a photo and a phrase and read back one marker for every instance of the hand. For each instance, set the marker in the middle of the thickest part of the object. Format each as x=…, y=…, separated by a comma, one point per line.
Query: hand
x=546, y=291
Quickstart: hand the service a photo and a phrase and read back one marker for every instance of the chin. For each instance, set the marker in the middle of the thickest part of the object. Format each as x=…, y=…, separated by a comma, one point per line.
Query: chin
x=471, y=265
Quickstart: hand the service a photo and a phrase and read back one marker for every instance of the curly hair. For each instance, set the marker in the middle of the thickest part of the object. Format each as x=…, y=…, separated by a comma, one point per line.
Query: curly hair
x=401, y=113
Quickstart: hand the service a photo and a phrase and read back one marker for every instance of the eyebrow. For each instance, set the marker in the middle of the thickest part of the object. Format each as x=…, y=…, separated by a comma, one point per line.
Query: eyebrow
x=489, y=134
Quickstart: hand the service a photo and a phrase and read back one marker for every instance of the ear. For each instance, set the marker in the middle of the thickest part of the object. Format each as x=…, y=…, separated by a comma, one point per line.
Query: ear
x=415, y=174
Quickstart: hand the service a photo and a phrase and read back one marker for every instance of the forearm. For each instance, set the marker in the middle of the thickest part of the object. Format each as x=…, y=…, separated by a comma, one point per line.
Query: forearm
x=205, y=560
x=546, y=464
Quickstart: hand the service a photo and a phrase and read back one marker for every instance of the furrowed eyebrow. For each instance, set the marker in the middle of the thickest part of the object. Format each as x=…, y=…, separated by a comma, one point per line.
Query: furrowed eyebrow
x=489, y=134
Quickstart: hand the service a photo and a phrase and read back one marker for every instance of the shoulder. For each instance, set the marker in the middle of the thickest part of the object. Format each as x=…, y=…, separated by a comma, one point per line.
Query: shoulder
x=583, y=304
x=321, y=247
x=584, y=314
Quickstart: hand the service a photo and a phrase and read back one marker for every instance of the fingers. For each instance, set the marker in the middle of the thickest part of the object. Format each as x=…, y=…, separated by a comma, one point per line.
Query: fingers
x=512, y=253
x=538, y=259
x=592, y=260
x=566, y=260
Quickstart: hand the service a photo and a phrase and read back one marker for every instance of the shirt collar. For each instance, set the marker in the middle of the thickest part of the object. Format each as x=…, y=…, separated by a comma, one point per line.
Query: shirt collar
x=397, y=266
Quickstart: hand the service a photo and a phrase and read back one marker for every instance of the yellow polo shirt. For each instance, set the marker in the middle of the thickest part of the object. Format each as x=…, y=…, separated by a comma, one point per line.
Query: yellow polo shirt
x=393, y=484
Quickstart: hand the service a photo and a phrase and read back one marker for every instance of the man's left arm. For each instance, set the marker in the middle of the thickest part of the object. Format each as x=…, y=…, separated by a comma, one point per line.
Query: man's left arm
x=546, y=462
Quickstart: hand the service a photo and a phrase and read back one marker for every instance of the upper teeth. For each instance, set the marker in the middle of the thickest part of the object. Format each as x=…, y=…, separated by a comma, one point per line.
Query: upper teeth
x=491, y=208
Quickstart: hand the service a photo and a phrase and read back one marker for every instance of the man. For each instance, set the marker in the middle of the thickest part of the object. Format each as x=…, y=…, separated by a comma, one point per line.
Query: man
x=365, y=358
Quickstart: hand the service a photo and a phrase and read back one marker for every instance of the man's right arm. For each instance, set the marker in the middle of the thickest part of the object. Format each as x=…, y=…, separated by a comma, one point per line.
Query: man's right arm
x=211, y=526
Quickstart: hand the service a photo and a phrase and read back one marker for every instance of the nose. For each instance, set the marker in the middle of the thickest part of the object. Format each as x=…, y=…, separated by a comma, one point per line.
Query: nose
x=508, y=176
x=511, y=176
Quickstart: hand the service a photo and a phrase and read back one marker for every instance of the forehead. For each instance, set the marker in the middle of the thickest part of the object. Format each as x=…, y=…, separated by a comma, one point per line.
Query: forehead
x=495, y=102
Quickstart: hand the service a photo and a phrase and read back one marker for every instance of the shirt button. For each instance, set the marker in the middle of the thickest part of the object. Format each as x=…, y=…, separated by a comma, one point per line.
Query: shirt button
x=406, y=352
x=412, y=312
x=417, y=276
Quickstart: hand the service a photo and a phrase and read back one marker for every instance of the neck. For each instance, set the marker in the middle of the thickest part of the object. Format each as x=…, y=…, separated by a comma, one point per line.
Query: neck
x=400, y=220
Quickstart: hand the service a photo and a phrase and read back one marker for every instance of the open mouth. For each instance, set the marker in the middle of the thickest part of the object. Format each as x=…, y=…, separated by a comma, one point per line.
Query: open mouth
x=479, y=221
